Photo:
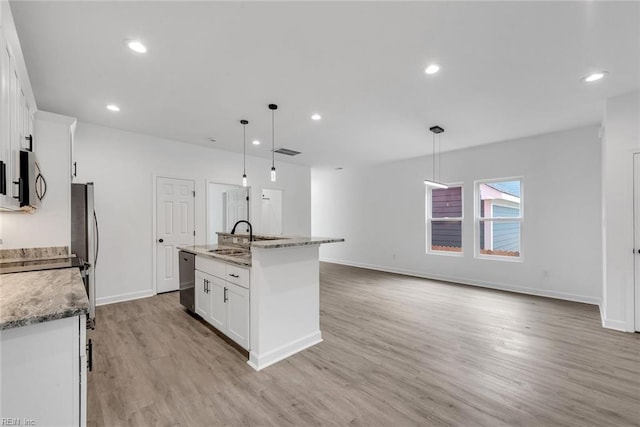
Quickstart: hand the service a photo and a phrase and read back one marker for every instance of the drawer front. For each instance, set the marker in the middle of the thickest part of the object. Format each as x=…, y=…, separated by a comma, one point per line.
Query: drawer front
x=238, y=275
x=211, y=266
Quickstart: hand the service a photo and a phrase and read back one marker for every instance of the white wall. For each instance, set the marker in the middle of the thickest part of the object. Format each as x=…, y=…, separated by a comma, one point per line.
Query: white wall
x=50, y=225
x=380, y=211
x=123, y=165
x=621, y=140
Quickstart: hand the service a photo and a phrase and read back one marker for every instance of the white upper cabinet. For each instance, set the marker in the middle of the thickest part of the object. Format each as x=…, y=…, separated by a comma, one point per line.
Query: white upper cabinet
x=17, y=107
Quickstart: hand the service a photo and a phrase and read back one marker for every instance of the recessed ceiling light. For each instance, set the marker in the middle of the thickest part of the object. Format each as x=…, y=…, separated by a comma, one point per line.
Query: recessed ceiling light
x=113, y=107
x=316, y=117
x=212, y=139
x=255, y=142
x=432, y=69
x=137, y=46
x=594, y=77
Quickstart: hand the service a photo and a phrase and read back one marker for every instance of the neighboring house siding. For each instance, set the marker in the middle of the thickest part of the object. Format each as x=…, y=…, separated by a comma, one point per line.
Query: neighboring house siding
x=506, y=236
x=446, y=203
x=446, y=233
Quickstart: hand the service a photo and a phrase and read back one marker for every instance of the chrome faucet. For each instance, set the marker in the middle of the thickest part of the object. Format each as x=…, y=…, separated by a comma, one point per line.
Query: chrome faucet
x=233, y=230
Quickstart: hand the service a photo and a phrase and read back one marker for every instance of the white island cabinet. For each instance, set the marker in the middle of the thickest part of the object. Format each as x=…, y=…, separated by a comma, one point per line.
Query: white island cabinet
x=266, y=300
x=221, y=302
x=285, y=303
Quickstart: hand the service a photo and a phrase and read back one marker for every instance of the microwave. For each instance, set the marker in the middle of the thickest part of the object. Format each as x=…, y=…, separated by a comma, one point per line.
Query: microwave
x=27, y=181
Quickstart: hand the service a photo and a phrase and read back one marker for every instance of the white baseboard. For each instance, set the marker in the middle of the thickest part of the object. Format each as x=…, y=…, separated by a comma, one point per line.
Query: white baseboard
x=125, y=297
x=618, y=325
x=466, y=281
x=261, y=361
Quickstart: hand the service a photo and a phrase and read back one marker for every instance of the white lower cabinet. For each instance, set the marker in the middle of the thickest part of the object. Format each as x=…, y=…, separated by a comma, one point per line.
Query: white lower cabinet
x=238, y=314
x=43, y=373
x=223, y=304
x=203, y=302
x=218, y=314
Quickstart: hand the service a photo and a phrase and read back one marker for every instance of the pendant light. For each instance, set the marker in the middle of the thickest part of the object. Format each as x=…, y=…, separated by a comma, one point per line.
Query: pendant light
x=436, y=130
x=244, y=148
x=273, y=108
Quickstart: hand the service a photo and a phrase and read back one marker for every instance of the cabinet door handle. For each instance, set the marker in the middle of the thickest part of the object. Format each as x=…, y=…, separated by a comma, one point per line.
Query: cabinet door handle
x=90, y=355
x=233, y=275
x=225, y=294
x=205, y=286
x=75, y=169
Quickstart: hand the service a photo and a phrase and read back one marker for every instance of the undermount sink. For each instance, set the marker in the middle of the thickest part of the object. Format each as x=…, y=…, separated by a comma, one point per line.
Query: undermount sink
x=230, y=251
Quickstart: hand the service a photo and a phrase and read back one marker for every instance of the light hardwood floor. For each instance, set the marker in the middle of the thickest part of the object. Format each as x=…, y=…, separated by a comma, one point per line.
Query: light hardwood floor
x=397, y=351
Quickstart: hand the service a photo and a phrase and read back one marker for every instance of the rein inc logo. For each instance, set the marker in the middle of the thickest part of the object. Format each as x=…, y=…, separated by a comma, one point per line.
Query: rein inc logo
x=17, y=422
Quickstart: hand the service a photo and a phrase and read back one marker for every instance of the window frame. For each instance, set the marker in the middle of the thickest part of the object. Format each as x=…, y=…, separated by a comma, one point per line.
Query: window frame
x=477, y=219
x=429, y=219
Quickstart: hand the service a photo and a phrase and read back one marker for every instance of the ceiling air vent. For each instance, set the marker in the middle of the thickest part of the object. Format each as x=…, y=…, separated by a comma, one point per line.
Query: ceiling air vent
x=287, y=152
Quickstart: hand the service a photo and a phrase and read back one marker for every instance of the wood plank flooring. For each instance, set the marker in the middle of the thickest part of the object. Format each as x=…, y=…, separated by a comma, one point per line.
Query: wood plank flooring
x=397, y=351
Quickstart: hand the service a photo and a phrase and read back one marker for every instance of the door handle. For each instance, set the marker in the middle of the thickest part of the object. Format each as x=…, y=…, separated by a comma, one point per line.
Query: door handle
x=225, y=294
x=160, y=240
x=90, y=355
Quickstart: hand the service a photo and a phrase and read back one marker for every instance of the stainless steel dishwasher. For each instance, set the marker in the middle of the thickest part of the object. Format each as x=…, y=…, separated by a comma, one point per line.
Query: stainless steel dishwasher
x=187, y=280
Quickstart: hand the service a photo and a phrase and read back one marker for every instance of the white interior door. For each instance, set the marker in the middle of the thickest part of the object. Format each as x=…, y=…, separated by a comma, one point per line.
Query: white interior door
x=636, y=222
x=271, y=211
x=237, y=207
x=174, y=227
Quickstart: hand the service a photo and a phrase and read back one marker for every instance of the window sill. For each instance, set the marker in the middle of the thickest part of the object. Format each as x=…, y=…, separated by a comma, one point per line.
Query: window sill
x=500, y=258
x=446, y=253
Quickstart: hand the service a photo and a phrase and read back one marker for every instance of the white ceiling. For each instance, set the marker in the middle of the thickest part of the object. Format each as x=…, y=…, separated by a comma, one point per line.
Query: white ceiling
x=509, y=69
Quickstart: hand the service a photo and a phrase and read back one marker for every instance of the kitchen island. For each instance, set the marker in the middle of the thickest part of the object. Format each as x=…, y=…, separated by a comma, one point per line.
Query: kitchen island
x=273, y=287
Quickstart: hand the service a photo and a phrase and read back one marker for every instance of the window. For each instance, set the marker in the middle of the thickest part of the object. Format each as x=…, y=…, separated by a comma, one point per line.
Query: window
x=499, y=218
x=444, y=220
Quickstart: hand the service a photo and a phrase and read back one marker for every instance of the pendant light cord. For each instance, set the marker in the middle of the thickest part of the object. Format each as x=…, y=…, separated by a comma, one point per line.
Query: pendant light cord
x=244, y=149
x=273, y=146
x=439, y=158
x=433, y=158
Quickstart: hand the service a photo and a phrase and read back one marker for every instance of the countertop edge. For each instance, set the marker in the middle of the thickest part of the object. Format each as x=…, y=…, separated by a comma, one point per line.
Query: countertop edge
x=204, y=252
x=28, y=321
x=288, y=243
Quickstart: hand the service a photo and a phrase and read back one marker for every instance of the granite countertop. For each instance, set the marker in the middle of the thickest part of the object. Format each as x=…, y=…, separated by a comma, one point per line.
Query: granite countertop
x=270, y=241
x=30, y=254
x=39, y=296
x=37, y=264
x=243, y=260
x=263, y=242
x=287, y=242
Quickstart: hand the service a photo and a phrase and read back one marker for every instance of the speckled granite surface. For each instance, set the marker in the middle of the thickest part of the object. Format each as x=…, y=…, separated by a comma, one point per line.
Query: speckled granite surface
x=25, y=254
x=266, y=242
x=294, y=241
x=269, y=241
x=205, y=250
x=40, y=296
x=35, y=264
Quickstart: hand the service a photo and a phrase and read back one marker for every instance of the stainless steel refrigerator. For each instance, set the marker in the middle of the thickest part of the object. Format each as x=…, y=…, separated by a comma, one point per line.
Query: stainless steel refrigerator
x=85, y=239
